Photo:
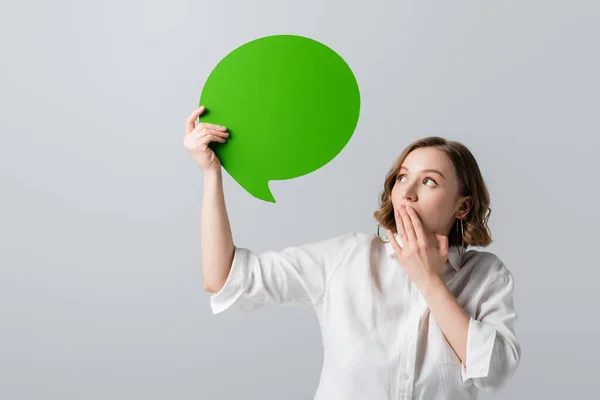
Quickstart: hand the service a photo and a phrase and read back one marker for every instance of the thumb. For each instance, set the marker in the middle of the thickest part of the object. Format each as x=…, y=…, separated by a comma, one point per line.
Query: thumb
x=442, y=243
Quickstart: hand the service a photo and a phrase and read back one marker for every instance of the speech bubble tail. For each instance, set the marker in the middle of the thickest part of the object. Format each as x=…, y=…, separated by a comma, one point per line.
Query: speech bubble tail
x=260, y=190
x=263, y=193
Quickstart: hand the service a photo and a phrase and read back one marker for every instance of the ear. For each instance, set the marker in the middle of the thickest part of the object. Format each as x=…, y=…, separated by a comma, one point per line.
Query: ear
x=465, y=206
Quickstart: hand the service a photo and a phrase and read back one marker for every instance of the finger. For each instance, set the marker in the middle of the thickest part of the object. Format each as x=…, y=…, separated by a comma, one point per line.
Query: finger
x=204, y=132
x=416, y=223
x=408, y=227
x=400, y=228
x=211, y=138
x=213, y=126
x=442, y=241
x=190, y=121
x=204, y=143
x=393, y=242
x=208, y=127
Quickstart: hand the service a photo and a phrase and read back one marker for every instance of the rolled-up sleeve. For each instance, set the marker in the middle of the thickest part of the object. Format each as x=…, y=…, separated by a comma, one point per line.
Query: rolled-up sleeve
x=296, y=275
x=493, y=351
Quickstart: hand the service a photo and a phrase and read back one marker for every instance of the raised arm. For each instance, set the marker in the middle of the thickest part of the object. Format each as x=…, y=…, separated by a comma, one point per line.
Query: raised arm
x=216, y=240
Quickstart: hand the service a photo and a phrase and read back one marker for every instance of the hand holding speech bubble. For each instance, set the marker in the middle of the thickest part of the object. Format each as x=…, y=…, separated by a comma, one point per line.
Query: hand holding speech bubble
x=290, y=104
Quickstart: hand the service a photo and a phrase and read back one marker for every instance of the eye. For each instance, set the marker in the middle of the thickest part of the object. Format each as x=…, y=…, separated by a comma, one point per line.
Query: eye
x=426, y=179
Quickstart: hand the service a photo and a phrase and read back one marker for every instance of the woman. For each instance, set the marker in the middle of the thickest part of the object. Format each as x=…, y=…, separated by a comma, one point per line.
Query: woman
x=415, y=317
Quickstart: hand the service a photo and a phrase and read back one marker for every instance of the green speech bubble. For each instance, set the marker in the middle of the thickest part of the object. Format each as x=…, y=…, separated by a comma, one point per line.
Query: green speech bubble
x=290, y=104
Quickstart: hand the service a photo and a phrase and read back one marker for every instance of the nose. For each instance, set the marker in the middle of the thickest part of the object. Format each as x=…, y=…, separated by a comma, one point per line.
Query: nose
x=408, y=194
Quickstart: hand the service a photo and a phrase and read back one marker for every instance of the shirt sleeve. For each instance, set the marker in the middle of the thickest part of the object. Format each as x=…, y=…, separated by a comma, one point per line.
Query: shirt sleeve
x=296, y=275
x=493, y=350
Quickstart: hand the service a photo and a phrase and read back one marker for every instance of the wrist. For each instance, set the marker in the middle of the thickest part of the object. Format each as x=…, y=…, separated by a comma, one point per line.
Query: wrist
x=430, y=284
x=212, y=173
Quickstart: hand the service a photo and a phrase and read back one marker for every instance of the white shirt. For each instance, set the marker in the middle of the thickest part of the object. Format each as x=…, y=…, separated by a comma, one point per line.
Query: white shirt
x=380, y=341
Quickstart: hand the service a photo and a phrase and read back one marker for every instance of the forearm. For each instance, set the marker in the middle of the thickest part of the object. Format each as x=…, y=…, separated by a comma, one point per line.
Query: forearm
x=449, y=315
x=216, y=240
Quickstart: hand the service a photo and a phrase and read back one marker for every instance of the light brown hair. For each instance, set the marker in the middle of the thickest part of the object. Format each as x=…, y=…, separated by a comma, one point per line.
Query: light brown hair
x=476, y=231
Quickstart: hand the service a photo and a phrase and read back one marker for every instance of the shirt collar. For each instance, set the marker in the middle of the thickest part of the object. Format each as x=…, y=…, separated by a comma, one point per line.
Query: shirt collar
x=454, y=256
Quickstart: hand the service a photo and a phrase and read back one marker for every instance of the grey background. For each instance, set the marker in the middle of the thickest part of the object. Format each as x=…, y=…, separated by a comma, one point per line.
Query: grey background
x=100, y=287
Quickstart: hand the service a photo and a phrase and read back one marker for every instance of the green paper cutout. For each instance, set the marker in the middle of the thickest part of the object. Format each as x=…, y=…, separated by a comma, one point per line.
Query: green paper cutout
x=290, y=104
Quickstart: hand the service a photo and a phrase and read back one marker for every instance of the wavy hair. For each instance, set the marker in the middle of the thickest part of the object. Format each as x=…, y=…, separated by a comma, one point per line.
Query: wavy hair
x=476, y=231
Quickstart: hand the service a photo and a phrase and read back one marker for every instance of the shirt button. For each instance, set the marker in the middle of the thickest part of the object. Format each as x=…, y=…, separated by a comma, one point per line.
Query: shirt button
x=406, y=377
x=409, y=337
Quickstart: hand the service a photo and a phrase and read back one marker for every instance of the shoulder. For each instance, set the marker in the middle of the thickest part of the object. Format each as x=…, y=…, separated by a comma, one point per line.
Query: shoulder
x=485, y=265
x=353, y=237
x=348, y=243
x=352, y=240
x=342, y=242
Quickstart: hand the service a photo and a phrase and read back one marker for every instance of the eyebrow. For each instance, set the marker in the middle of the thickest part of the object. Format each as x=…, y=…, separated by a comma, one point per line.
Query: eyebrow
x=427, y=170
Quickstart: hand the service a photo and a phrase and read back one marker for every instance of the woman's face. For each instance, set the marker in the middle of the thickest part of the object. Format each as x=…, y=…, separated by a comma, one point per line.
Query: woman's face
x=434, y=196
